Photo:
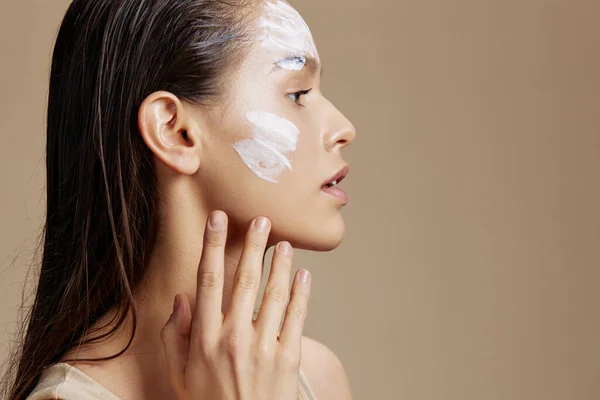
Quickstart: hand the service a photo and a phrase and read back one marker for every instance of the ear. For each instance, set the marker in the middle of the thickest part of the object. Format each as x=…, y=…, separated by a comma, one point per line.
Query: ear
x=170, y=132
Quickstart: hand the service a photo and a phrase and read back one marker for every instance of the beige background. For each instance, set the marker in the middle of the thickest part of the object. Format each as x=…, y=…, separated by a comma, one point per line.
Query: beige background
x=471, y=263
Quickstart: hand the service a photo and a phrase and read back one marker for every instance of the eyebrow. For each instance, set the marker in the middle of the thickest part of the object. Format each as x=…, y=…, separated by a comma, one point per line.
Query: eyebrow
x=311, y=63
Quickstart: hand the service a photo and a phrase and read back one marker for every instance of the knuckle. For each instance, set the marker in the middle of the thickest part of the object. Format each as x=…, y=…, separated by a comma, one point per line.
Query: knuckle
x=209, y=279
x=276, y=295
x=214, y=239
x=300, y=295
x=232, y=343
x=204, y=347
x=296, y=312
x=265, y=351
x=254, y=244
x=289, y=359
x=246, y=281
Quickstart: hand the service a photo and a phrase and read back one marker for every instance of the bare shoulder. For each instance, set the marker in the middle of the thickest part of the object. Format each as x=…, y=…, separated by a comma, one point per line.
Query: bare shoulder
x=324, y=371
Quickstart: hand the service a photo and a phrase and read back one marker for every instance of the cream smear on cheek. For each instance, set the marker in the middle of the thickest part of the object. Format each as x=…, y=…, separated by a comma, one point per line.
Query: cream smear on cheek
x=287, y=38
x=273, y=137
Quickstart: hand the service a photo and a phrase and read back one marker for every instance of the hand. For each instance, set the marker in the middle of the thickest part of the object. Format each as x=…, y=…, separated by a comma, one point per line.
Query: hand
x=215, y=356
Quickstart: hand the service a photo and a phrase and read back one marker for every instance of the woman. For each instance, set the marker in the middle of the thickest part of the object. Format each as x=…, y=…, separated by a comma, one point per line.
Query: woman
x=173, y=127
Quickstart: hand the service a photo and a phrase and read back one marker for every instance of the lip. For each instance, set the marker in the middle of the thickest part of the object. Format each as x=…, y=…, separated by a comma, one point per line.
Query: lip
x=336, y=191
x=339, y=176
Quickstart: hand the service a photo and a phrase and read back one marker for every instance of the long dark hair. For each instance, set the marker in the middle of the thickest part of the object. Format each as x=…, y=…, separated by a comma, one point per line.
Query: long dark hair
x=101, y=215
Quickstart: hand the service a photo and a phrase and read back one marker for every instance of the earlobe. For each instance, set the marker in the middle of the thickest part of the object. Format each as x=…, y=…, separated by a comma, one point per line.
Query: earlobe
x=170, y=132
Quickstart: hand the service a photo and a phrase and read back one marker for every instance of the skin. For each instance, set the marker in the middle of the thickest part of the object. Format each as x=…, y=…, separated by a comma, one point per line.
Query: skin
x=199, y=171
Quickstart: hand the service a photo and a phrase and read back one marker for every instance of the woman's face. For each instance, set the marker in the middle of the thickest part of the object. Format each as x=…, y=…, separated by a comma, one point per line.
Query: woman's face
x=270, y=149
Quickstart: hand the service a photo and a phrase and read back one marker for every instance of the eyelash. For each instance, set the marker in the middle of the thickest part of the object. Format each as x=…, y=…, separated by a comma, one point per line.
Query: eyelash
x=300, y=93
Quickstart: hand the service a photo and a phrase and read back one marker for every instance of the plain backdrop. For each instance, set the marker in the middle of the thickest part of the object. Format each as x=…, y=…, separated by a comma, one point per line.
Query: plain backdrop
x=470, y=268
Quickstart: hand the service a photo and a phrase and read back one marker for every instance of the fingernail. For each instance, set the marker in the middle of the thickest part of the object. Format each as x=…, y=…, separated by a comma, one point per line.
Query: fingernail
x=285, y=248
x=216, y=222
x=304, y=276
x=261, y=224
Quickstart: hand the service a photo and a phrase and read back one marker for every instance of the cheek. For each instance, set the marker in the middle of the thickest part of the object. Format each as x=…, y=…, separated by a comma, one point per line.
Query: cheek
x=308, y=148
x=272, y=142
x=308, y=164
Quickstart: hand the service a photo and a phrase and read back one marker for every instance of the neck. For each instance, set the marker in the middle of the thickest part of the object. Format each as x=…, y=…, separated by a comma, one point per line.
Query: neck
x=172, y=269
x=174, y=263
x=175, y=257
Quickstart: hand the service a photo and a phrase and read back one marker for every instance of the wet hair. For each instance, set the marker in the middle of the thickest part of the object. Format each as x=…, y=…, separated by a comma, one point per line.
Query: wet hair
x=101, y=204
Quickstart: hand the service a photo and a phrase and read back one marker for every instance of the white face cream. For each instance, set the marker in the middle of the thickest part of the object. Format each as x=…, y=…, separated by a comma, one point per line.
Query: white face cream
x=273, y=137
x=287, y=37
x=285, y=34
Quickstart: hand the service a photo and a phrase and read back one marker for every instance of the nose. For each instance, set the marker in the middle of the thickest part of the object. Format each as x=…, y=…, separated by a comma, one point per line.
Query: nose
x=339, y=131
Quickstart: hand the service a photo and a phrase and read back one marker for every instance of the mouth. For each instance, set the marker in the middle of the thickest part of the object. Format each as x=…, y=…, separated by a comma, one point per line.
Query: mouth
x=337, y=178
x=330, y=186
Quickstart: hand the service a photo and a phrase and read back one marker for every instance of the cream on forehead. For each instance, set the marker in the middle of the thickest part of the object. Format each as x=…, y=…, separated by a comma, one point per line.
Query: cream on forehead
x=286, y=34
x=273, y=137
x=293, y=63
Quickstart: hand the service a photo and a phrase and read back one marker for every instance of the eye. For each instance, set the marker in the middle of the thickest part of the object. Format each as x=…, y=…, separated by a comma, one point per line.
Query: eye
x=296, y=96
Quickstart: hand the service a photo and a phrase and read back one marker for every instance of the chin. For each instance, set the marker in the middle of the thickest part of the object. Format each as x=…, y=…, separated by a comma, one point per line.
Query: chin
x=320, y=236
x=329, y=245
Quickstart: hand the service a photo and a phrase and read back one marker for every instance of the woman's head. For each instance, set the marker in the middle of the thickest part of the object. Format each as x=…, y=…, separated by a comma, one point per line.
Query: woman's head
x=269, y=144
x=147, y=93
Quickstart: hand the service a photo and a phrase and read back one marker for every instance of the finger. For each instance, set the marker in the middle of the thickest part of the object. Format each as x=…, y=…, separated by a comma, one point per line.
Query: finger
x=184, y=317
x=175, y=345
x=297, y=309
x=208, y=317
x=276, y=293
x=247, y=276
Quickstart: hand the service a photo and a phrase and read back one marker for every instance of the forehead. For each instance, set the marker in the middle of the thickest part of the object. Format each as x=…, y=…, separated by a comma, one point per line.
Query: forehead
x=283, y=33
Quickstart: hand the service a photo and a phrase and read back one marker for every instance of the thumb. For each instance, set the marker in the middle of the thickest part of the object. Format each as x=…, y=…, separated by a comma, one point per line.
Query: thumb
x=175, y=339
